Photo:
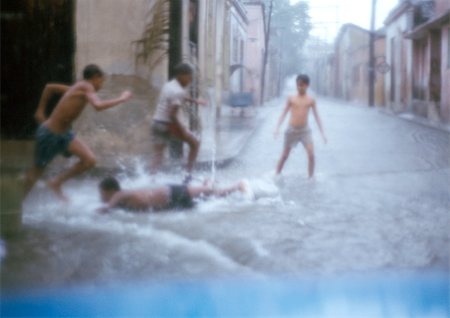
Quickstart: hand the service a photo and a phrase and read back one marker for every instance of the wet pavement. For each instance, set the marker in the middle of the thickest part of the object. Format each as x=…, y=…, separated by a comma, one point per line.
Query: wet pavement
x=379, y=202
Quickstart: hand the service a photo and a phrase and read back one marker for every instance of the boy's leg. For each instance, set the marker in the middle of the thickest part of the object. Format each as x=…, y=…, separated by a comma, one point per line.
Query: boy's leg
x=33, y=175
x=87, y=161
x=158, y=156
x=194, y=146
x=282, y=161
x=311, y=160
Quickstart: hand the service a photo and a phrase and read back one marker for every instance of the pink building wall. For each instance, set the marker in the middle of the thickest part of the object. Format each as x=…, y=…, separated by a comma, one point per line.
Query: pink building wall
x=441, y=6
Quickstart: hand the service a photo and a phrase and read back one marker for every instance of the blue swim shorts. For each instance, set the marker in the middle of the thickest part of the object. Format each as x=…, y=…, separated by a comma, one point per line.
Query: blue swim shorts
x=49, y=145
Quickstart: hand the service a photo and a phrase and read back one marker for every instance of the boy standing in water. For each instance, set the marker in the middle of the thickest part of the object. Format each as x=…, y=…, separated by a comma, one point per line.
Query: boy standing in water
x=166, y=125
x=298, y=130
x=55, y=136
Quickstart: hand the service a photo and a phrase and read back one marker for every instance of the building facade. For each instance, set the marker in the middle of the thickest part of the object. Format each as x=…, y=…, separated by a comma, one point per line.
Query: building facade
x=417, y=50
x=351, y=62
x=254, y=53
x=238, y=25
x=429, y=35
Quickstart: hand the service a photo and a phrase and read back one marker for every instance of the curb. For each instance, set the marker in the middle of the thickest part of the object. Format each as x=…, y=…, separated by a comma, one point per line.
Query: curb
x=410, y=117
x=406, y=116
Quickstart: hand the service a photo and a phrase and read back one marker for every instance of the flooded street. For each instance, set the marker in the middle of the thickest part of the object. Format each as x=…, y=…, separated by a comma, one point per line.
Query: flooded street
x=379, y=202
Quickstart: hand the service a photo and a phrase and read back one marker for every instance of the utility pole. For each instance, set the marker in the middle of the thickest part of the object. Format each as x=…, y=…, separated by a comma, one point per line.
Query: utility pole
x=266, y=52
x=175, y=57
x=372, y=56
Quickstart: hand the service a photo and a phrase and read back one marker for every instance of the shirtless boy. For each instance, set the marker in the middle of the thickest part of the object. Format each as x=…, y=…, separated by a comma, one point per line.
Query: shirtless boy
x=298, y=130
x=55, y=136
x=162, y=198
x=166, y=125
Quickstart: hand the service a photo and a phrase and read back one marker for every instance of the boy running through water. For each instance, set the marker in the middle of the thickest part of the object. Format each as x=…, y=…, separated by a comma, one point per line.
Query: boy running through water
x=55, y=136
x=166, y=125
x=298, y=130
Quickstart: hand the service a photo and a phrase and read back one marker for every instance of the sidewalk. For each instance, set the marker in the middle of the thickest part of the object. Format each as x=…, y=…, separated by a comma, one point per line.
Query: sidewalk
x=408, y=116
x=233, y=132
x=223, y=142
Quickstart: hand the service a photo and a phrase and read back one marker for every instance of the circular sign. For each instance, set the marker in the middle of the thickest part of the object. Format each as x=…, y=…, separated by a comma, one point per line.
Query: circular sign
x=383, y=68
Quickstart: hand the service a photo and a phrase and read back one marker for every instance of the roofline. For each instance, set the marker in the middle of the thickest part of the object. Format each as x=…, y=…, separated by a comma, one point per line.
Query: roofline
x=421, y=29
x=240, y=8
x=397, y=11
x=347, y=26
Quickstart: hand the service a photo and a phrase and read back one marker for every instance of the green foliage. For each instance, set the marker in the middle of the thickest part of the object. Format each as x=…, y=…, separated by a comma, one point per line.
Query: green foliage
x=153, y=45
x=291, y=25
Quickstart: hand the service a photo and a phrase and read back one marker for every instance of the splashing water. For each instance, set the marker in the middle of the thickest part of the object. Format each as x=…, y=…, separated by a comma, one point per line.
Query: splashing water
x=212, y=133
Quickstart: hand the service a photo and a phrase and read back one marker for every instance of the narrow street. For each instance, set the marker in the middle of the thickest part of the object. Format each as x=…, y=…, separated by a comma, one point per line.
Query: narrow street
x=379, y=202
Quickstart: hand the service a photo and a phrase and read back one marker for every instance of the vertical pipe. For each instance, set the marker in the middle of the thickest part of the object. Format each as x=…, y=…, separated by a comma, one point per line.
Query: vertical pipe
x=175, y=57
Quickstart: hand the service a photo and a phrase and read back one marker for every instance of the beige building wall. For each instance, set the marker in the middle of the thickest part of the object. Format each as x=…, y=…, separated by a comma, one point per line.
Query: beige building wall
x=105, y=30
x=380, y=49
x=349, y=42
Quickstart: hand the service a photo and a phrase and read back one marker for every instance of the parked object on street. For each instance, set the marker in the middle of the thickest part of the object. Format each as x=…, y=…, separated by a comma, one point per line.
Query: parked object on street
x=241, y=101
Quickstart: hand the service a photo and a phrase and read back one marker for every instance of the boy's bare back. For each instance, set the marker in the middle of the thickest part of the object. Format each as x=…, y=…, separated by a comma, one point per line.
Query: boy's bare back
x=69, y=107
x=142, y=199
x=299, y=109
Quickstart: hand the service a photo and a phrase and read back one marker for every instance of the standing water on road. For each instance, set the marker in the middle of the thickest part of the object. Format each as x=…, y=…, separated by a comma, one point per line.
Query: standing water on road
x=379, y=202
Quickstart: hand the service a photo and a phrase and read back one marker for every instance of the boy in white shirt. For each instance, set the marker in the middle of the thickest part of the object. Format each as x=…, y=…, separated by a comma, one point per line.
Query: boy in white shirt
x=166, y=125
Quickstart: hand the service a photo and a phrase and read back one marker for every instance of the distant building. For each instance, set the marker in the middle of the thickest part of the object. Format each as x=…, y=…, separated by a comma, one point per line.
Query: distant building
x=398, y=80
x=254, y=56
x=238, y=24
x=430, y=35
x=417, y=51
x=320, y=65
x=351, y=61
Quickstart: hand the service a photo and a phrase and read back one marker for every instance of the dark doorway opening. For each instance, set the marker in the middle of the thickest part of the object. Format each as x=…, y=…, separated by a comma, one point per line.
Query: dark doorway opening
x=37, y=47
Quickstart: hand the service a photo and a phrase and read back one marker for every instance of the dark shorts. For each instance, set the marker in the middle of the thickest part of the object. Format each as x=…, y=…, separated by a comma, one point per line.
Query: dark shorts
x=180, y=197
x=161, y=134
x=49, y=145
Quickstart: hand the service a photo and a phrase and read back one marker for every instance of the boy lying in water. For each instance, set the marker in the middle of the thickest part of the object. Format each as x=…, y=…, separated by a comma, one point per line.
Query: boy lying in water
x=162, y=198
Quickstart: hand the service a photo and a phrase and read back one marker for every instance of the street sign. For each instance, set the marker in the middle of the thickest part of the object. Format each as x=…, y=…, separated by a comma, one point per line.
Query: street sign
x=383, y=67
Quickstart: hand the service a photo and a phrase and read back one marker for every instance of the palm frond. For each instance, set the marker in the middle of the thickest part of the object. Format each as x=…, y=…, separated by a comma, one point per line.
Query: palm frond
x=152, y=46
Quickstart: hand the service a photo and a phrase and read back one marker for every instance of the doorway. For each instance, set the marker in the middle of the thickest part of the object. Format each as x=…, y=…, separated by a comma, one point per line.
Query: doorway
x=37, y=47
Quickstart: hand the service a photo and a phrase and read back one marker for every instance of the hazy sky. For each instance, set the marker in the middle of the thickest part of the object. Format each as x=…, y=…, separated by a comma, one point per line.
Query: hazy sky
x=325, y=13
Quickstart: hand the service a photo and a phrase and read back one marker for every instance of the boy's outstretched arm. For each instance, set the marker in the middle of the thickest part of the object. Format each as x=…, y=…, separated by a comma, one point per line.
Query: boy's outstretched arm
x=282, y=117
x=199, y=101
x=100, y=105
x=49, y=90
x=115, y=202
x=319, y=122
